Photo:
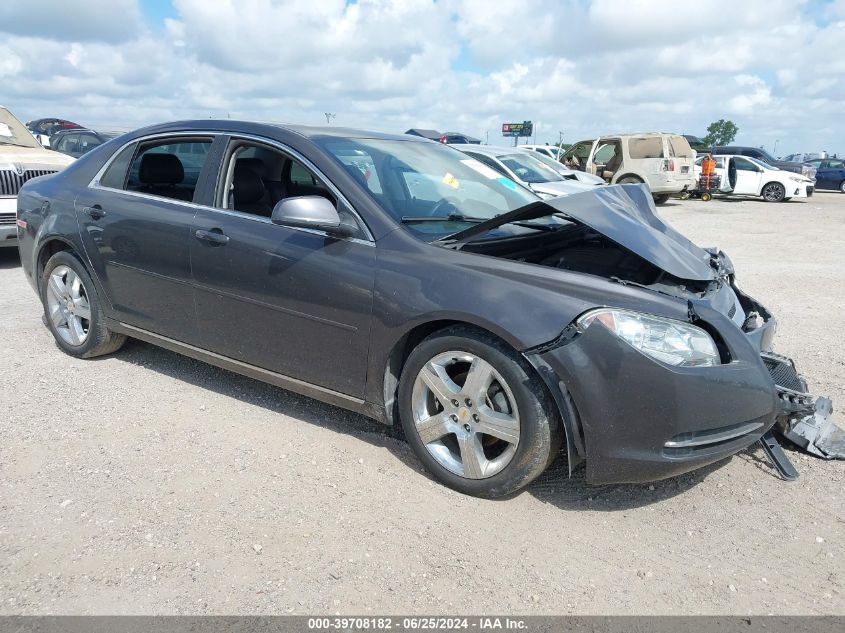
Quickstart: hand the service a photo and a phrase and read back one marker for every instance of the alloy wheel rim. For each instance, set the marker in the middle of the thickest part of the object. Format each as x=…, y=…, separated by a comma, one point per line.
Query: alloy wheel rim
x=772, y=192
x=67, y=306
x=465, y=414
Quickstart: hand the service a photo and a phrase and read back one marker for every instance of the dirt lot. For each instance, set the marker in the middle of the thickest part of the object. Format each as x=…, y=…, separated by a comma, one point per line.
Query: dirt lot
x=151, y=483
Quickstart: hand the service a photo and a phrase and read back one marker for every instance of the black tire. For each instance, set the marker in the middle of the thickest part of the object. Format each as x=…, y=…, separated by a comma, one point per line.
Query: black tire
x=629, y=180
x=842, y=187
x=773, y=192
x=540, y=434
x=662, y=198
x=99, y=339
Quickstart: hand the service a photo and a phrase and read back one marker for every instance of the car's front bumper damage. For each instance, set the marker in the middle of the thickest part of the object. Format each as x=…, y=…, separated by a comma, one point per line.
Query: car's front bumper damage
x=638, y=420
x=804, y=419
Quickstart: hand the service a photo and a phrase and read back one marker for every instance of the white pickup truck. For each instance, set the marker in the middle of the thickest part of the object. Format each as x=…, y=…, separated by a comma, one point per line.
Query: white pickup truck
x=21, y=158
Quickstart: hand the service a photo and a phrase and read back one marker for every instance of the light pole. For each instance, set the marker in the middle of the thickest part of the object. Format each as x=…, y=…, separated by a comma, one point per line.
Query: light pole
x=329, y=117
x=774, y=151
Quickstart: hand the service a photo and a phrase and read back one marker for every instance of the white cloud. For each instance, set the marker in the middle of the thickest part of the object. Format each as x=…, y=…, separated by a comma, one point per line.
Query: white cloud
x=68, y=20
x=572, y=66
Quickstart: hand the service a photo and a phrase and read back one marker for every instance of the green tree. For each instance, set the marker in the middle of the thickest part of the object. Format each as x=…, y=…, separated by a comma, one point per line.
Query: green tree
x=720, y=132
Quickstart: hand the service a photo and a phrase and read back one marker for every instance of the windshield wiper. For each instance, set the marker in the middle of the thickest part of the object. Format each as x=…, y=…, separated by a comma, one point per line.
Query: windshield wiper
x=452, y=217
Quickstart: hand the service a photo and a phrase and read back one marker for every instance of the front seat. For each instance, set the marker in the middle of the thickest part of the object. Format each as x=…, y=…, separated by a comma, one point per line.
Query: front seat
x=248, y=191
x=160, y=173
x=613, y=165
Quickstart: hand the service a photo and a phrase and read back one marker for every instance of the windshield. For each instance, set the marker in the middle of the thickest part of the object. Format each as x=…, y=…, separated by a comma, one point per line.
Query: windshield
x=551, y=163
x=761, y=163
x=13, y=132
x=431, y=188
x=529, y=168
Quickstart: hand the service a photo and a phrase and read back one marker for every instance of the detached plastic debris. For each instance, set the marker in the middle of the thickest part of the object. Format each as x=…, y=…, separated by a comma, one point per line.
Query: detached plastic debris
x=804, y=419
x=816, y=433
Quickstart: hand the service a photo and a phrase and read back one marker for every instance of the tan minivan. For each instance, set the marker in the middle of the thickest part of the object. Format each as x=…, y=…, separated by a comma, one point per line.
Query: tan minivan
x=663, y=161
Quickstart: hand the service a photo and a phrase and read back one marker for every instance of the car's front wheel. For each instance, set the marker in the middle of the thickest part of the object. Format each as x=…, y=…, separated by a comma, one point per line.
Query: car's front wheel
x=475, y=413
x=773, y=192
x=72, y=309
x=842, y=186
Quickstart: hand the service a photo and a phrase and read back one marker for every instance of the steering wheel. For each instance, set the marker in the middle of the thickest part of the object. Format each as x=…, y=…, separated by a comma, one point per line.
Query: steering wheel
x=440, y=207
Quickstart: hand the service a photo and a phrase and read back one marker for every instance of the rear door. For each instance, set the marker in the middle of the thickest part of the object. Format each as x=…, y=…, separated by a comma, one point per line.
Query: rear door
x=295, y=301
x=136, y=218
x=748, y=177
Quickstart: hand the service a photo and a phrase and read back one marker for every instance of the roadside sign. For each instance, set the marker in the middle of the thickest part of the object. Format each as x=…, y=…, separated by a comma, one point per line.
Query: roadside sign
x=526, y=128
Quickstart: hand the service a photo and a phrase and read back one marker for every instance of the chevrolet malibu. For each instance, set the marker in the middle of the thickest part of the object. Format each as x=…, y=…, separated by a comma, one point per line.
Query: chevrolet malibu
x=401, y=279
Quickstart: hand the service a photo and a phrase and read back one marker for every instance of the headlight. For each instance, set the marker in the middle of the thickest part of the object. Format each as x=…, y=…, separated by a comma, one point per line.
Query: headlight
x=667, y=340
x=797, y=179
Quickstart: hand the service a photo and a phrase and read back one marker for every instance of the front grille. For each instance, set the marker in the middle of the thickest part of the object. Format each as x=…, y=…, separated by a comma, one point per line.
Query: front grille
x=7, y=218
x=783, y=372
x=11, y=182
x=810, y=191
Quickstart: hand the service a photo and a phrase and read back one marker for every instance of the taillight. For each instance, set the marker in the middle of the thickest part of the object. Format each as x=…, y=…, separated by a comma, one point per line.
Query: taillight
x=668, y=164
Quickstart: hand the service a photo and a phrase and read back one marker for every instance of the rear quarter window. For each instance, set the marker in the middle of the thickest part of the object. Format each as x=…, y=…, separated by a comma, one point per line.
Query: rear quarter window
x=645, y=147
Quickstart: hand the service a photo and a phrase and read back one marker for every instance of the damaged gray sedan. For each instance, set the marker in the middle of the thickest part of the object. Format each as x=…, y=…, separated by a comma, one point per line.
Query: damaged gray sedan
x=401, y=279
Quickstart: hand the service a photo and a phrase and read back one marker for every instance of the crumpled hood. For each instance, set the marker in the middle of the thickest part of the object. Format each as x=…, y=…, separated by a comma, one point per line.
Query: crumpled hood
x=624, y=214
x=31, y=157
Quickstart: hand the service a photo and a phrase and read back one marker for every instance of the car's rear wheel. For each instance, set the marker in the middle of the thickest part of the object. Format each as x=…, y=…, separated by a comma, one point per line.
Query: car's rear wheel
x=629, y=180
x=662, y=198
x=842, y=186
x=72, y=309
x=475, y=413
x=773, y=192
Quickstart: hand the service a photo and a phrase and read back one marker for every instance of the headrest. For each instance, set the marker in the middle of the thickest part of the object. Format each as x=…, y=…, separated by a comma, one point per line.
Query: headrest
x=161, y=169
x=357, y=175
x=247, y=185
x=256, y=164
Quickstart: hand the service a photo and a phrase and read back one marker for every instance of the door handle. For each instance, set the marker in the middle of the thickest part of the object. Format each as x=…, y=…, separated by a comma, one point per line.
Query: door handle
x=95, y=211
x=214, y=237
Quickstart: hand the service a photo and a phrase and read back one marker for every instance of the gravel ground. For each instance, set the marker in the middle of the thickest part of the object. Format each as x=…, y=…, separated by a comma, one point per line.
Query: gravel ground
x=149, y=483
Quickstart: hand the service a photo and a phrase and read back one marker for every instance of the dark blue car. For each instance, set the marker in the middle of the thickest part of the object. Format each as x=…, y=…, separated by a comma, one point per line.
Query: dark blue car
x=830, y=173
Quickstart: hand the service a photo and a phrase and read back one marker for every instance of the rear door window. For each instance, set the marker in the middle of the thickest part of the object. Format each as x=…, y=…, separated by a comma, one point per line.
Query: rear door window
x=168, y=169
x=679, y=146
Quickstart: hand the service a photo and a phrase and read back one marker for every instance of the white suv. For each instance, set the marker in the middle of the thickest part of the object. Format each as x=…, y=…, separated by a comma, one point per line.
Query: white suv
x=663, y=161
x=21, y=158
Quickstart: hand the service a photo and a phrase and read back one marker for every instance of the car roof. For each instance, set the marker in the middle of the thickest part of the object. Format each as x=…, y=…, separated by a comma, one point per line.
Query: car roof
x=243, y=126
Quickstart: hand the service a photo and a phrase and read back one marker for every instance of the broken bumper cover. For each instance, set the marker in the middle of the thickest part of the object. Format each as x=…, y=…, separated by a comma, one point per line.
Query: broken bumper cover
x=804, y=419
x=641, y=420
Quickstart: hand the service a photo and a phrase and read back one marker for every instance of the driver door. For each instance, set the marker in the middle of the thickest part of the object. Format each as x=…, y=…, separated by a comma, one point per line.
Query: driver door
x=294, y=301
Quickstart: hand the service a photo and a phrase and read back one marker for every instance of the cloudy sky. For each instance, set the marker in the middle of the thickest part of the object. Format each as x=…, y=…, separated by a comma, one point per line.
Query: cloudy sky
x=775, y=67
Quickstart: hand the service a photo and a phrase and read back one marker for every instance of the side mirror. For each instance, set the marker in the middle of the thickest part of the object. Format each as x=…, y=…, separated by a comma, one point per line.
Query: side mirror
x=310, y=212
x=43, y=139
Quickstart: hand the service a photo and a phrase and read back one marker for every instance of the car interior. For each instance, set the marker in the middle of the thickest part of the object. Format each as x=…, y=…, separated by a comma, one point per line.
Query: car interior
x=259, y=177
x=170, y=170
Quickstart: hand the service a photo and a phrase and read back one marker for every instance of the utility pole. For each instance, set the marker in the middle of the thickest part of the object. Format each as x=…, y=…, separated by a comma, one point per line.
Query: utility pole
x=329, y=117
x=774, y=151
